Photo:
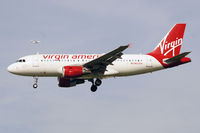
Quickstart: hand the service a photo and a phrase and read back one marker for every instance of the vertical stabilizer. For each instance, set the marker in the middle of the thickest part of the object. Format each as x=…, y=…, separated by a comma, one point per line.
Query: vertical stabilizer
x=170, y=45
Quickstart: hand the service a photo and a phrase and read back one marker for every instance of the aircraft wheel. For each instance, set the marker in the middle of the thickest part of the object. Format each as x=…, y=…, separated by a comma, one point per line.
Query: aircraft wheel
x=98, y=82
x=94, y=88
x=35, y=86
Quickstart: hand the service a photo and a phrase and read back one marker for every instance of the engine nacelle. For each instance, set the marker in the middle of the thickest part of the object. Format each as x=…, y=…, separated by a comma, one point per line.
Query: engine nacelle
x=66, y=82
x=74, y=71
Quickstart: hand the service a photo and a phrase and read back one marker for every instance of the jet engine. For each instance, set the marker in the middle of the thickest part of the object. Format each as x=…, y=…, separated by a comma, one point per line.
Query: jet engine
x=74, y=71
x=66, y=82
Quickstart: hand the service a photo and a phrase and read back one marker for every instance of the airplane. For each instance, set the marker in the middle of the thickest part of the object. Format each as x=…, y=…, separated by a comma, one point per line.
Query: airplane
x=75, y=69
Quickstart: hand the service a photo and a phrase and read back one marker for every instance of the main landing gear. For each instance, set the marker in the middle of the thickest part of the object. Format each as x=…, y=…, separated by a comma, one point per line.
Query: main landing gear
x=95, y=84
x=35, y=85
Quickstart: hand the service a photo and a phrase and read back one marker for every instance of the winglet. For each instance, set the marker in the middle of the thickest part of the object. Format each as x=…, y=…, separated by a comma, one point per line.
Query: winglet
x=130, y=45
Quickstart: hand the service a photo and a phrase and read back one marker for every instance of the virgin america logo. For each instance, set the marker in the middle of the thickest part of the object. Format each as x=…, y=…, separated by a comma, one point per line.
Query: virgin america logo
x=167, y=47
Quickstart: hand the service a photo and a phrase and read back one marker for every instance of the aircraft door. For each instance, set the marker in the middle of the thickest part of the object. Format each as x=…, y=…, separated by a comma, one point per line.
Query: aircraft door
x=148, y=61
x=35, y=60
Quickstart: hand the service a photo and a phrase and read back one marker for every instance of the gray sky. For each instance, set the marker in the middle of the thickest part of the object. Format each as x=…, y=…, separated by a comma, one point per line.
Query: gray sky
x=164, y=101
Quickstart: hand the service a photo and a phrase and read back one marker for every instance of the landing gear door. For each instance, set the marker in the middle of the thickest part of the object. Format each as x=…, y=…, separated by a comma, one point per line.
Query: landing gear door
x=148, y=61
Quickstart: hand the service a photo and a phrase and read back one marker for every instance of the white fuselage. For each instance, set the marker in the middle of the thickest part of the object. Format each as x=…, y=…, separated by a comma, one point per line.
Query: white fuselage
x=46, y=65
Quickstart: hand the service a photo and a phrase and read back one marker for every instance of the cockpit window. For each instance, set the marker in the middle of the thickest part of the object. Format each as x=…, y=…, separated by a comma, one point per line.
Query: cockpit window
x=21, y=60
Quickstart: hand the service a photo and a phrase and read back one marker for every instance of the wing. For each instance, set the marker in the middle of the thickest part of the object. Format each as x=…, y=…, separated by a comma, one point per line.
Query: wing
x=98, y=66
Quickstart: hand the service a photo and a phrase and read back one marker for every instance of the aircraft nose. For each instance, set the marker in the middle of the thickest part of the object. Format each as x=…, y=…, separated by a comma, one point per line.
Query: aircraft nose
x=11, y=68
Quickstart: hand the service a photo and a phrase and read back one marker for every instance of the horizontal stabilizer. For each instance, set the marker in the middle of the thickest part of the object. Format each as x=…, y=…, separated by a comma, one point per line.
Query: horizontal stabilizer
x=176, y=58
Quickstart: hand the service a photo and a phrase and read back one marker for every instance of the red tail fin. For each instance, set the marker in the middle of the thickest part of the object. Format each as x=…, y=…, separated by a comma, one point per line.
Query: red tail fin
x=170, y=45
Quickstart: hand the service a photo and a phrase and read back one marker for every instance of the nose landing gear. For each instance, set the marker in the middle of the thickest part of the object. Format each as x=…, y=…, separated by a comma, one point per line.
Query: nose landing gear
x=95, y=84
x=35, y=85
